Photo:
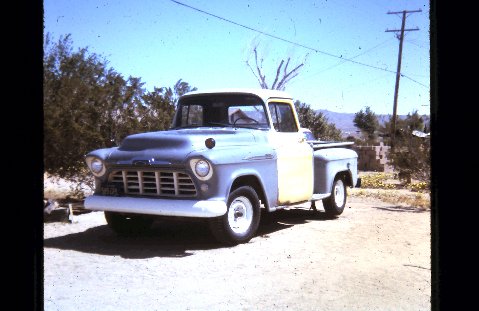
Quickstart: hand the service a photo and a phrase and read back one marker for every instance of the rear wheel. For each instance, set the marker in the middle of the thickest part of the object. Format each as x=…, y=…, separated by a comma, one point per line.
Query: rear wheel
x=334, y=204
x=241, y=220
x=128, y=224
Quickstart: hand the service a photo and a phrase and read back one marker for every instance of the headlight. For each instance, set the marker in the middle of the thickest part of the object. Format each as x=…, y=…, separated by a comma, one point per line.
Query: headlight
x=96, y=166
x=201, y=168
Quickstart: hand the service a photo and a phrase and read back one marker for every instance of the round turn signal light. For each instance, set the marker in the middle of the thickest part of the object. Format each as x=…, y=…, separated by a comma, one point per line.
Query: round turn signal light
x=210, y=143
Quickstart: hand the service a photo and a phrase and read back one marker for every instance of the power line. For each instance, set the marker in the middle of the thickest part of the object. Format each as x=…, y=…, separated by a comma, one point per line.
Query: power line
x=409, y=78
x=364, y=83
x=289, y=41
x=414, y=43
x=343, y=61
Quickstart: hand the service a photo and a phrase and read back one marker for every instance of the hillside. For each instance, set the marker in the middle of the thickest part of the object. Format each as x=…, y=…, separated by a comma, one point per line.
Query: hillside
x=344, y=121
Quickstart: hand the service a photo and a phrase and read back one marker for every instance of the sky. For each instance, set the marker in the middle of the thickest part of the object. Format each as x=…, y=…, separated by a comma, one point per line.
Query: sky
x=162, y=41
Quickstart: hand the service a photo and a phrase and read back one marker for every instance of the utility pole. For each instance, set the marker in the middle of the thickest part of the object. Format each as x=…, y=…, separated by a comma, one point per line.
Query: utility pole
x=398, y=72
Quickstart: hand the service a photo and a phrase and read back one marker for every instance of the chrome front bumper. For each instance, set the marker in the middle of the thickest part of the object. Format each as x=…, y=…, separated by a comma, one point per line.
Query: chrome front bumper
x=164, y=207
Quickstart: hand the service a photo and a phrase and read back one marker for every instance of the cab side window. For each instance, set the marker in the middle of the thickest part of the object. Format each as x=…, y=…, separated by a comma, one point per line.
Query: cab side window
x=192, y=115
x=283, y=117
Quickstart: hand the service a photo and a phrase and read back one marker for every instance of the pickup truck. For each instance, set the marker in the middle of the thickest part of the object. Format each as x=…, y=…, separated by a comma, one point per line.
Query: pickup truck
x=228, y=155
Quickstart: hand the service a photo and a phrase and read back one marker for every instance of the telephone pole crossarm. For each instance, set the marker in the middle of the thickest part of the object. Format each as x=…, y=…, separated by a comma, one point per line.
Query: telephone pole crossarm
x=405, y=11
x=396, y=30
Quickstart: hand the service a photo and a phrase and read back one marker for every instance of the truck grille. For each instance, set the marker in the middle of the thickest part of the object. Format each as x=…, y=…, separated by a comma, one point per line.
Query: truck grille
x=154, y=183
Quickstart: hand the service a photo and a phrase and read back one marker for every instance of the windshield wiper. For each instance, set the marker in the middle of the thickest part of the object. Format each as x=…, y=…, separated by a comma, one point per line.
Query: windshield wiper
x=219, y=124
x=186, y=126
x=252, y=127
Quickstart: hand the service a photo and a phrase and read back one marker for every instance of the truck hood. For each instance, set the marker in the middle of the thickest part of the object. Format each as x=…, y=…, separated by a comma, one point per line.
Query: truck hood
x=173, y=146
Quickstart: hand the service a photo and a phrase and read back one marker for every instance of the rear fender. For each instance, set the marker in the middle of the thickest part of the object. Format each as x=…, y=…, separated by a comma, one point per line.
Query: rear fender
x=329, y=163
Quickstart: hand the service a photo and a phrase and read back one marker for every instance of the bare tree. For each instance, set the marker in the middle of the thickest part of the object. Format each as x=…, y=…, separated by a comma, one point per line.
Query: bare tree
x=282, y=77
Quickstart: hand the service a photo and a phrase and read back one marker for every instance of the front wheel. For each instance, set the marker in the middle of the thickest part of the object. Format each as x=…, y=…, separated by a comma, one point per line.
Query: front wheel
x=334, y=204
x=241, y=220
x=128, y=225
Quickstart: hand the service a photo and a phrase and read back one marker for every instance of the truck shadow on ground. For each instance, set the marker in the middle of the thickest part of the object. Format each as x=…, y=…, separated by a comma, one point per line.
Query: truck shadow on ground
x=172, y=238
x=403, y=209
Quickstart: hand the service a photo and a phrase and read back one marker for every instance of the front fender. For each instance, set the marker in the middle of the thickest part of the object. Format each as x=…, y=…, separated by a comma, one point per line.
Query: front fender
x=103, y=154
x=263, y=171
x=229, y=164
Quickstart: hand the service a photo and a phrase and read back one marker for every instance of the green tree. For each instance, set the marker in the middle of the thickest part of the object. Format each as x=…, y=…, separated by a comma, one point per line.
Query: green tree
x=317, y=122
x=367, y=122
x=88, y=105
x=73, y=95
x=404, y=126
x=159, y=105
x=411, y=154
x=179, y=89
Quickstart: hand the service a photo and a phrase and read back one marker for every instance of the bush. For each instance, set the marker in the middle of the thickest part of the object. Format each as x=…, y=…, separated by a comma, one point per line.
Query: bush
x=410, y=155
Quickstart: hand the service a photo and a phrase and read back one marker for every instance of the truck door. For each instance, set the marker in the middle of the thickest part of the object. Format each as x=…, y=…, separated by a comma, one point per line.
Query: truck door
x=295, y=156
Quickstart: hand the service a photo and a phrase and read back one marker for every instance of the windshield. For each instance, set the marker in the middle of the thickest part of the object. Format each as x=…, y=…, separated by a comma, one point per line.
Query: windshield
x=221, y=110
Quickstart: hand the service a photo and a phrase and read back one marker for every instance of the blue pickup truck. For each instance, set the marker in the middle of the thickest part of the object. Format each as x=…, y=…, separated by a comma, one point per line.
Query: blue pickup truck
x=228, y=154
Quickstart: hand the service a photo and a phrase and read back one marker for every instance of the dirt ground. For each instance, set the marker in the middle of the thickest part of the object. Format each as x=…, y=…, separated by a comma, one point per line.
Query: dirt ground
x=375, y=256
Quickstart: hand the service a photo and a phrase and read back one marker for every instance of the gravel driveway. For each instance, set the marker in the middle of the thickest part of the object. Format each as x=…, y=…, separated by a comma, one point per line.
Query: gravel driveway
x=375, y=256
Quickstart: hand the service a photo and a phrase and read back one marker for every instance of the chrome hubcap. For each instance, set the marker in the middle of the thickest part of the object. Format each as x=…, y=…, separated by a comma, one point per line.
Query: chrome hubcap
x=240, y=215
x=339, y=193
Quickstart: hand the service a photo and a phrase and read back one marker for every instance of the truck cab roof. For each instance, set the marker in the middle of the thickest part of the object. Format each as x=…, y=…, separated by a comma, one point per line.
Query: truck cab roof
x=264, y=94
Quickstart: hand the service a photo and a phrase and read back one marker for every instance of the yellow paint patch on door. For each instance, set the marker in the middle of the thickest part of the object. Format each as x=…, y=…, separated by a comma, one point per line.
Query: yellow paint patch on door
x=294, y=155
x=295, y=174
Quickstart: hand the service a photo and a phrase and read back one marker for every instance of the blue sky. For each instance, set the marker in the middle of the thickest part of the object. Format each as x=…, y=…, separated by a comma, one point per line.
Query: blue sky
x=161, y=42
